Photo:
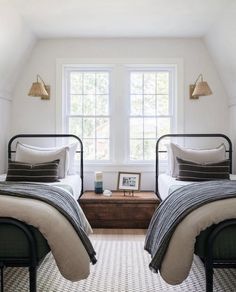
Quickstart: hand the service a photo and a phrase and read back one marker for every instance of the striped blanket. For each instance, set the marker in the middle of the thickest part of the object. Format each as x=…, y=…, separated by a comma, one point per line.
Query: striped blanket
x=175, y=208
x=60, y=199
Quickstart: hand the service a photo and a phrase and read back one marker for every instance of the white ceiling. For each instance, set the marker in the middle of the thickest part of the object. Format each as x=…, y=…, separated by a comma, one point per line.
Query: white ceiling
x=119, y=18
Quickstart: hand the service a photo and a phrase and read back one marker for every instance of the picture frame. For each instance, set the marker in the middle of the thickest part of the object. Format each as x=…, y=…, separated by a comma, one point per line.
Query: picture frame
x=129, y=181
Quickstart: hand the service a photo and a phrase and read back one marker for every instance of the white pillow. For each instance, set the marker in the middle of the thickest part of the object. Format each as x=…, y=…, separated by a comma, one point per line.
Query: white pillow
x=194, y=155
x=72, y=151
x=30, y=154
x=70, y=159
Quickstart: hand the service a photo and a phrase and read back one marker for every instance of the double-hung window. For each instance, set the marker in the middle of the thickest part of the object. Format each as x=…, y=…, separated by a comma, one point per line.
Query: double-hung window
x=151, y=110
x=88, y=111
x=145, y=110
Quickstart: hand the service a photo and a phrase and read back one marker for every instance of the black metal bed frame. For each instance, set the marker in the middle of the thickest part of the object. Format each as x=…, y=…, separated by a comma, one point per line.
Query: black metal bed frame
x=32, y=262
x=10, y=151
x=209, y=262
x=229, y=150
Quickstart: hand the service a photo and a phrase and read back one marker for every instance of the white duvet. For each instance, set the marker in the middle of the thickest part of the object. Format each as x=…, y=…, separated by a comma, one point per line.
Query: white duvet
x=178, y=259
x=69, y=253
x=74, y=181
x=167, y=184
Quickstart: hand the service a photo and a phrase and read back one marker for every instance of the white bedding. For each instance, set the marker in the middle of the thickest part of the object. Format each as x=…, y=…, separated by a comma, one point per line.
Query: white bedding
x=74, y=181
x=167, y=184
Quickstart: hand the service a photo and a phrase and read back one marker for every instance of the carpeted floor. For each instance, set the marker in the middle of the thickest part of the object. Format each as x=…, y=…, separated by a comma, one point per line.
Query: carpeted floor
x=122, y=267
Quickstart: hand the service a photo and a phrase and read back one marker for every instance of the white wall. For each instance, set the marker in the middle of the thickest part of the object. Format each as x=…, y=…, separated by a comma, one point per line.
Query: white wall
x=209, y=114
x=221, y=42
x=16, y=43
x=5, y=106
x=232, y=127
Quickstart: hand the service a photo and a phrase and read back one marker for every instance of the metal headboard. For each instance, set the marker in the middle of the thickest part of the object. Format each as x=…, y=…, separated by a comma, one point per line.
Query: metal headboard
x=10, y=151
x=228, y=150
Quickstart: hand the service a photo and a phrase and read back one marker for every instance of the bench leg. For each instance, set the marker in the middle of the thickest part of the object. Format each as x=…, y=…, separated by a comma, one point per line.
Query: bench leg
x=2, y=279
x=33, y=279
x=209, y=279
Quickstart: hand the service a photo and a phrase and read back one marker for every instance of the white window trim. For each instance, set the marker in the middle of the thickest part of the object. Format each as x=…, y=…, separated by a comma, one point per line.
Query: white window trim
x=118, y=95
x=89, y=68
x=149, y=68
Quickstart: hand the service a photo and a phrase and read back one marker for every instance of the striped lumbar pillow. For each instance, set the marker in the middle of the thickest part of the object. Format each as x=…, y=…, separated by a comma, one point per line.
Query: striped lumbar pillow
x=191, y=171
x=39, y=172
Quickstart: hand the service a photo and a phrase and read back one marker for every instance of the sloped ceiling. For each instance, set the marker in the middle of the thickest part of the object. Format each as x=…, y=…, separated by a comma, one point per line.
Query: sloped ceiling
x=16, y=42
x=23, y=21
x=221, y=42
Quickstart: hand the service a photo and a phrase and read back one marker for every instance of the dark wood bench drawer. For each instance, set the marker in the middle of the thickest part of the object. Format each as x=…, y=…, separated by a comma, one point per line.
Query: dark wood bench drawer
x=119, y=211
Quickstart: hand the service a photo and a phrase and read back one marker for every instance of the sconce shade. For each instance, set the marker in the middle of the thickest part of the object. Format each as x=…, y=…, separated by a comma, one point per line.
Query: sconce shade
x=37, y=89
x=199, y=88
x=202, y=89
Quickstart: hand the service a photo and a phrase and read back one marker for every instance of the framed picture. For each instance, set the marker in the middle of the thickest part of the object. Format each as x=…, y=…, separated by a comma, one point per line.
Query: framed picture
x=129, y=181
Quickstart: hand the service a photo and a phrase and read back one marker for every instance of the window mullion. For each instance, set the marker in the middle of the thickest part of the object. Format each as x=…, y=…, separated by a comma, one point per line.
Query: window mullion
x=84, y=82
x=143, y=116
x=95, y=119
x=156, y=124
x=82, y=120
x=155, y=84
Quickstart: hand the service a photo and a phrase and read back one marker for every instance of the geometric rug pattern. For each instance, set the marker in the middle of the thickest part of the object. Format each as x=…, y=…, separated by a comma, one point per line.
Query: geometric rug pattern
x=122, y=267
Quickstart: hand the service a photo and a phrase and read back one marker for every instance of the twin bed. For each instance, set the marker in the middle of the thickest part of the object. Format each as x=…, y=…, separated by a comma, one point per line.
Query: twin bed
x=206, y=226
x=39, y=217
x=30, y=227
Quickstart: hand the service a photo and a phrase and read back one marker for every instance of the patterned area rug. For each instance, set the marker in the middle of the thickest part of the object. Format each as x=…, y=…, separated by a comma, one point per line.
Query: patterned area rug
x=122, y=267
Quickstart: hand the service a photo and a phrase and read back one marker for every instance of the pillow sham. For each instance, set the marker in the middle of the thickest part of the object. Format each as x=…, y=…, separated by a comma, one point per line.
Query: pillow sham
x=29, y=154
x=70, y=159
x=72, y=152
x=194, y=155
x=191, y=171
x=39, y=172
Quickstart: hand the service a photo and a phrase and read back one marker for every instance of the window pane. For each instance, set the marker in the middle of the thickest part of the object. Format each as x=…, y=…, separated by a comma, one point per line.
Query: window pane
x=75, y=126
x=102, y=83
x=88, y=128
x=163, y=125
x=150, y=128
x=136, y=83
x=149, y=149
x=136, y=128
x=136, y=105
x=136, y=149
x=163, y=146
x=102, y=149
x=76, y=104
x=149, y=83
x=163, y=83
x=162, y=104
x=88, y=99
x=149, y=99
x=76, y=82
x=89, y=149
x=163, y=156
x=149, y=105
x=102, y=105
x=89, y=83
x=102, y=128
x=89, y=105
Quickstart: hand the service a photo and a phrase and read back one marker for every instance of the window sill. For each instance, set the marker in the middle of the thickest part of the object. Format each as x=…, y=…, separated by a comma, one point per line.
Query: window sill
x=129, y=167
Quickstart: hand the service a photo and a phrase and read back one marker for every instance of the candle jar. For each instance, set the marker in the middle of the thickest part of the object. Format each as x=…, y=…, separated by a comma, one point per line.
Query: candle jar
x=98, y=184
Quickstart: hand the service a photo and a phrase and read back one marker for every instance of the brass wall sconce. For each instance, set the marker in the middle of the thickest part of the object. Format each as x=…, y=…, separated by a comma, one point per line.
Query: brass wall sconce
x=39, y=88
x=199, y=88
